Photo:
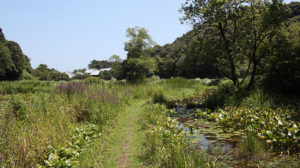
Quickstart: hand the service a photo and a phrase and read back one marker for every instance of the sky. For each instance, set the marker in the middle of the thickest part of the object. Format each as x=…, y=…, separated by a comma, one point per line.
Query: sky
x=68, y=34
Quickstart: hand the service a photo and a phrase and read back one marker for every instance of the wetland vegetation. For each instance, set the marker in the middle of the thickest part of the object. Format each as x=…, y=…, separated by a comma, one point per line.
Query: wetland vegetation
x=225, y=94
x=86, y=125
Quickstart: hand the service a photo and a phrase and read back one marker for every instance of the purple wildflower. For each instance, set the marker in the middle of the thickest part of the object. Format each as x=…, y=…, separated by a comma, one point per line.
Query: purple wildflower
x=1, y=158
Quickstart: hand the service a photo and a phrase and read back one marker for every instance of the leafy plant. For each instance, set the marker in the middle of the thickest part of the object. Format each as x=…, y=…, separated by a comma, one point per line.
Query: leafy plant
x=18, y=107
x=275, y=126
x=67, y=156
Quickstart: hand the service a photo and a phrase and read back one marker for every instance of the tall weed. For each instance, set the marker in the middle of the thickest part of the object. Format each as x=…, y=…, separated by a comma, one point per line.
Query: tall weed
x=31, y=122
x=166, y=145
x=250, y=146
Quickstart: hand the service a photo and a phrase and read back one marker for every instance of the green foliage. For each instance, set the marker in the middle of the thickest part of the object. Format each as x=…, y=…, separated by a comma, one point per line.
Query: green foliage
x=18, y=108
x=99, y=64
x=159, y=98
x=166, y=145
x=170, y=58
x=138, y=63
x=294, y=9
x=42, y=72
x=242, y=32
x=230, y=39
x=31, y=122
x=283, y=68
x=116, y=70
x=250, y=146
x=275, y=126
x=228, y=95
x=136, y=69
x=52, y=116
x=218, y=97
x=27, y=76
x=176, y=83
x=139, y=41
x=12, y=59
x=201, y=60
x=92, y=80
x=67, y=156
x=106, y=75
x=26, y=86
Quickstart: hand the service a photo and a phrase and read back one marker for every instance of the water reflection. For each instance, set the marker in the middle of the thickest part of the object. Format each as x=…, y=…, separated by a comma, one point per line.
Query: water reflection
x=203, y=134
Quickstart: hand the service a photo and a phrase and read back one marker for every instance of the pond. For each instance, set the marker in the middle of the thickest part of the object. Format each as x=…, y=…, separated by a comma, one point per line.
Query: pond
x=204, y=134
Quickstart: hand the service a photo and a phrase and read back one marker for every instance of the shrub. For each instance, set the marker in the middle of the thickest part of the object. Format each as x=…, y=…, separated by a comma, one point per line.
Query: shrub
x=83, y=110
x=18, y=108
x=218, y=97
x=106, y=75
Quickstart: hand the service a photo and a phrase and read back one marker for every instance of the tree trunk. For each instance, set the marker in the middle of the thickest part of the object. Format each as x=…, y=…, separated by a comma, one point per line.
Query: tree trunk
x=252, y=79
x=233, y=75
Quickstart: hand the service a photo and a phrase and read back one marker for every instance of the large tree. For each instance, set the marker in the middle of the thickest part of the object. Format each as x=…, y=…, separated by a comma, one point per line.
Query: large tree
x=12, y=60
x=138, y=63
x=116, y=70
x=244, y=28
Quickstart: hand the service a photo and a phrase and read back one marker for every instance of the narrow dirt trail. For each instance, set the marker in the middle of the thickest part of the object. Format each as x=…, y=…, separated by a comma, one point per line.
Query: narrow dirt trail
x=126, y=139
x=123, y=160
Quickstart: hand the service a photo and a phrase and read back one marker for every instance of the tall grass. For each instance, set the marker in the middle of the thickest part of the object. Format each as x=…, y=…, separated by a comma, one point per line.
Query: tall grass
x=250, y=146
x=30, y=122
x=26, y=86
x=176, y=83
x=165, y=143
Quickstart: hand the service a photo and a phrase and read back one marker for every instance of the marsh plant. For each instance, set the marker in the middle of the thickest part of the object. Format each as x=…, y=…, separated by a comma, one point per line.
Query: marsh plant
x=71, y=88
x=159, y=98
x=31, y=122
x=66, y=156
x=166, y=145
x=251, y=146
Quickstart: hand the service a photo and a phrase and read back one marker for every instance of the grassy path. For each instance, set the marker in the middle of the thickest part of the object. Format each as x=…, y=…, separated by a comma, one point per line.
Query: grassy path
x=124, y=147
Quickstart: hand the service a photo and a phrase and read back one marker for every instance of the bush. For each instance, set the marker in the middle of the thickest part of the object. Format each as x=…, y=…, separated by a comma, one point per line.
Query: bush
x=83, y=110
x=18, y=108
x=106, y=75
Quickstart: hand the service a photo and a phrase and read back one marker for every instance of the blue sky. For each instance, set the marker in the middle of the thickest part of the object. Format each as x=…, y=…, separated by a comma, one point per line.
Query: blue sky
x=68, y=34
